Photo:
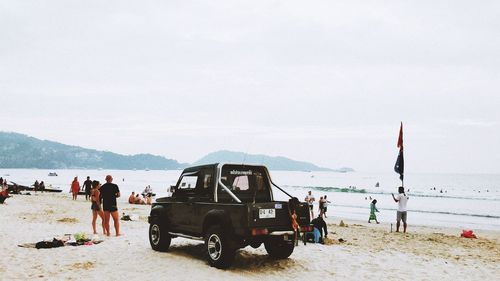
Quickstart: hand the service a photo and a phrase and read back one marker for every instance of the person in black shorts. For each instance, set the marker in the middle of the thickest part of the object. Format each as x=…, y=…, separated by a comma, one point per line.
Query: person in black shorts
x=310, y=200
x=109, y=193
x=95, y=197
x=88, y=186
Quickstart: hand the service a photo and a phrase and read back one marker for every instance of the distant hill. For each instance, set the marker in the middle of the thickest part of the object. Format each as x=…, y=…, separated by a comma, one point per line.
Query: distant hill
x=21, y=151
x=273, y=163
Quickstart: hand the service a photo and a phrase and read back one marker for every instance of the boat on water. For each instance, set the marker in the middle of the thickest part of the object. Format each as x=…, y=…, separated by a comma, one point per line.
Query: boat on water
x=52, y=174
x=15, y=188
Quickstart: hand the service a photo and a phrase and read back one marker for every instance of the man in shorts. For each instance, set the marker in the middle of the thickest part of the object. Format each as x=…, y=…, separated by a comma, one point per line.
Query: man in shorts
x=109, y=193
x=402, y=200
x=88, y=186
x=310, y=200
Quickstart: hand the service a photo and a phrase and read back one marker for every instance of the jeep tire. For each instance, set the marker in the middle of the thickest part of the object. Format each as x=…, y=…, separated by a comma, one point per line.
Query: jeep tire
x=219, y=247
x=159, y=238
x=279, y=248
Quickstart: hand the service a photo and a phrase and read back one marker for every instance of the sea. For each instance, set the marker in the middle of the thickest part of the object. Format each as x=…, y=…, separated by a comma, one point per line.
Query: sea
x=467, y=201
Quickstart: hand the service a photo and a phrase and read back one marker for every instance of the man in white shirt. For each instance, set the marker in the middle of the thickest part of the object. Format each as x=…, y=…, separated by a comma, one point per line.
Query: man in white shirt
x=310, y=200
x=402, y=200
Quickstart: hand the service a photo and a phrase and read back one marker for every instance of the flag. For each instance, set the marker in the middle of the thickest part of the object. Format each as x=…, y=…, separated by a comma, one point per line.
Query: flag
x=399, y=167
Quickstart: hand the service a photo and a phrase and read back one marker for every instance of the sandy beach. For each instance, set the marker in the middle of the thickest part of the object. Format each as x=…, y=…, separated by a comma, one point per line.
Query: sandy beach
x=369, y=251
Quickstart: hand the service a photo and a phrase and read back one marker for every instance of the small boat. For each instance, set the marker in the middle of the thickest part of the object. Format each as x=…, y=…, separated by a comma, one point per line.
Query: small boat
x=52, y=174
x=16, y=188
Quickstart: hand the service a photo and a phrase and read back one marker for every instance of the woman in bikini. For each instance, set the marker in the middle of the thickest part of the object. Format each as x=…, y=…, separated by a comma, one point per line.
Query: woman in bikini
x=95, y=195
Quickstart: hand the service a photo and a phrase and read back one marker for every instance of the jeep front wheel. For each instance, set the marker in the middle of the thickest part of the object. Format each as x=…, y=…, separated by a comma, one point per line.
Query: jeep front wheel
x=278, y=247
x=159, y=238
x=220, y=252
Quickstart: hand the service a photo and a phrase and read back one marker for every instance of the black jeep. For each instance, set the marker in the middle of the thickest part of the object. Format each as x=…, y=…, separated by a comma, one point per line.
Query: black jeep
x=228, y=206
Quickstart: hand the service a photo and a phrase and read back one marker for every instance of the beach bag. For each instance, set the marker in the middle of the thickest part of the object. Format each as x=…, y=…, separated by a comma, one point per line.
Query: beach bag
x=468, y=234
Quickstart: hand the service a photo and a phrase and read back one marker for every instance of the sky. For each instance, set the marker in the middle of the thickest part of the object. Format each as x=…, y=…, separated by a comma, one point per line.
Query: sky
x=326, y=82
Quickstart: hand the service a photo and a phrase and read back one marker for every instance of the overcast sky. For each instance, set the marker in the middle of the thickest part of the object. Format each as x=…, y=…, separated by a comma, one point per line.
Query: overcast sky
x=321, y=81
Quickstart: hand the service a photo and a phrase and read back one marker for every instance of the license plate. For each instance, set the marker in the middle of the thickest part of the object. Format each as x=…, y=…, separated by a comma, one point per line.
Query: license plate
x=267, y=213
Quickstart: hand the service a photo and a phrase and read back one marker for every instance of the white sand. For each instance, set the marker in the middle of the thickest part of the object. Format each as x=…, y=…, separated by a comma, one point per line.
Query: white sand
x=370, y=251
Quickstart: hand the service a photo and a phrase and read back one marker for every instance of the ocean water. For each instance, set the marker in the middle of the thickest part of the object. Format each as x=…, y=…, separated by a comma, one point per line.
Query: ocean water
x=452, y=200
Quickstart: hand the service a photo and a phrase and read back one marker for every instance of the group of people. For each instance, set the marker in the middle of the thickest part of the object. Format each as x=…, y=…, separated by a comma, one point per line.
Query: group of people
x=104, y=205
x=86, y=187
x=103, y=201
x=401, y=214
x=323, y=204
x=147, y=197
x=319, y=225
x=136, y=199
x=38, y=186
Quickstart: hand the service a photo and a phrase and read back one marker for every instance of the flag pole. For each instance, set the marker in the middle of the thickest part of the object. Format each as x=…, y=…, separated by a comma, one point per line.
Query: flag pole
x=399, y=166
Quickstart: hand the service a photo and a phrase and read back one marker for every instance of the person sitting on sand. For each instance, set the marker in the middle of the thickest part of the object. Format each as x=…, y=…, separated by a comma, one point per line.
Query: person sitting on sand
x=42, y=186
x=149, y=199
x=75, y=187
x=4, y=194
x=319, y=225
x=147, y=191
x=373, y=209
x=402, y=200
x=138, y=200
x=131, y=198
x=36, y=185
x=95, y=198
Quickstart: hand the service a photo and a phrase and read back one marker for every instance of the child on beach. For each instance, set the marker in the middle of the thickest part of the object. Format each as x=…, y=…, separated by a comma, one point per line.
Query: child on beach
x=292, y=207
x=373, y=209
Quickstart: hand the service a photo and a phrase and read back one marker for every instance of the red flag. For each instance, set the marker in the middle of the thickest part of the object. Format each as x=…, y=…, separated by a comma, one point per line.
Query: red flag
x=400, y=139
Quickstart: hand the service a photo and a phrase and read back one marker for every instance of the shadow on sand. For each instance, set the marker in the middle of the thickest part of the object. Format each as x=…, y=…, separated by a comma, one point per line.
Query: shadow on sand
x=245, y=259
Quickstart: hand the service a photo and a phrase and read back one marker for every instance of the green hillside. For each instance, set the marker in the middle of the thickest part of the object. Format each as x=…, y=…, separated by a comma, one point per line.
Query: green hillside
x=21, y=151
x=273, y=163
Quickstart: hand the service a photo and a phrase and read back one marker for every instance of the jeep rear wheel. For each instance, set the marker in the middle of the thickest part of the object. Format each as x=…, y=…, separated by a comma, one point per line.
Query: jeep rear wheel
x=220, y=251
x=159, y=238
x=279, y=248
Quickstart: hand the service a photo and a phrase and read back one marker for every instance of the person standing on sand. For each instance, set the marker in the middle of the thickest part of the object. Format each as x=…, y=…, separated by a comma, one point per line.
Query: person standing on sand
x=310, y=200
x=320, y=204
x=88, y=186
x=75, y=187
x=373, y=209
x=402, y=200
x=109, y=193
x=325, y=206
x=96, y=208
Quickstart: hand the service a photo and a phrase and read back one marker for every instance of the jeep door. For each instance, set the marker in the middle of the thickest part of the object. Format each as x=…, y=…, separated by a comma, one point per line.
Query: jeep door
x=183, y=198
x=203, y=201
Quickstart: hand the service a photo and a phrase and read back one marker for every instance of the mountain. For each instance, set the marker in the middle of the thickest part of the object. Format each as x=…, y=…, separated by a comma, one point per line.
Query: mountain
x=21, y=151
x=273, y=163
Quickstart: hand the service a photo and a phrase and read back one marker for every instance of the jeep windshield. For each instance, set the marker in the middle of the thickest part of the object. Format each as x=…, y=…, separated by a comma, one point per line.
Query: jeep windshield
x=248, y=183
